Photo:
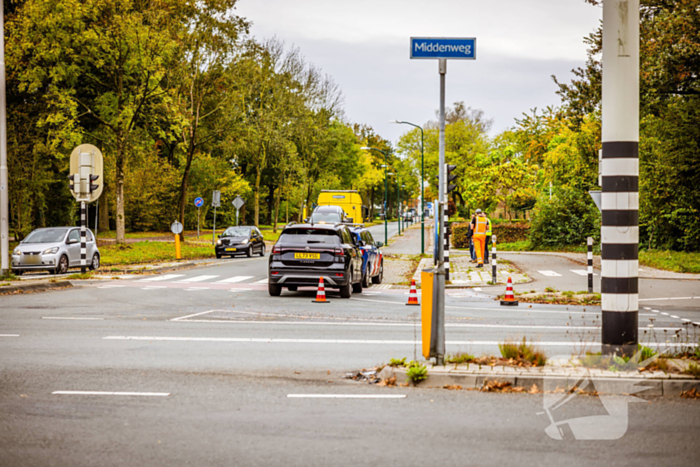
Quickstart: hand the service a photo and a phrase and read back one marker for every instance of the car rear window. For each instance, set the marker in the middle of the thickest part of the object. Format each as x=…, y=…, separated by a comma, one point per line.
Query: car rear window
x=309, y=236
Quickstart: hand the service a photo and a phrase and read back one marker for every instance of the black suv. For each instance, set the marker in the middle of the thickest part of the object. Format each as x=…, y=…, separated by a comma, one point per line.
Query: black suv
x=304, y=253
x=240, y=240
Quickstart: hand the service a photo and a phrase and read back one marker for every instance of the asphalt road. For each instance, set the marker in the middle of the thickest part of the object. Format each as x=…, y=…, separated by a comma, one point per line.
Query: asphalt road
x=222, y=357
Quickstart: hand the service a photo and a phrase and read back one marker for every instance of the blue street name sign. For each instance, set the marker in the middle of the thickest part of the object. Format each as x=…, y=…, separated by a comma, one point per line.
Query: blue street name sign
x=199, y=202
x=443, y=47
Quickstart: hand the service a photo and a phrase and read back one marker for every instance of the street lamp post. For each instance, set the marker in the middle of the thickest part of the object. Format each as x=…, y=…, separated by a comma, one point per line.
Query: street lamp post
x=386, y=190
x=422, y=183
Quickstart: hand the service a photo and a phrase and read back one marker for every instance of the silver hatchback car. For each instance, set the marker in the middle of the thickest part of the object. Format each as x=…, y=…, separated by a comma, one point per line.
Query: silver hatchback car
x=54, y=249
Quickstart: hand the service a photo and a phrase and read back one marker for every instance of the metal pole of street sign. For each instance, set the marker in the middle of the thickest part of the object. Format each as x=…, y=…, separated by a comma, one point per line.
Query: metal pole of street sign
x=619, y=230
x=4, y=196
x=213, y=232
x=83, y=235
x=199, y=213
x=439, y=302
x=237, y=210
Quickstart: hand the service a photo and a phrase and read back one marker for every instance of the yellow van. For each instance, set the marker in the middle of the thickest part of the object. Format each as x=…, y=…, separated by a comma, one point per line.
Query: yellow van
x=349, y=200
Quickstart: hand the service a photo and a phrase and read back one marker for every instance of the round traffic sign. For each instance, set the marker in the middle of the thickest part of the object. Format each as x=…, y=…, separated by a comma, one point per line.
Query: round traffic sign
x=199, y=202
x=176, y=228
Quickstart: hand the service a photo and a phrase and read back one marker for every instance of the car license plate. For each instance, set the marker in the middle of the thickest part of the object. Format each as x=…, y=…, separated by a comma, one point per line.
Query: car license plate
x=307, y=255
x=230, y=249
x=31, y=259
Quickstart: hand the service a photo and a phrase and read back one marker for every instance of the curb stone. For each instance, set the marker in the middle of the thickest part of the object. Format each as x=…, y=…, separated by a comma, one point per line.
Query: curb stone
x=40, y=287
x=603, y=385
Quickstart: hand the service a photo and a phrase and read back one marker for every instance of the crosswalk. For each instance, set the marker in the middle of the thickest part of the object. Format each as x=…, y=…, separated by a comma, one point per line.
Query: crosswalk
x=579, y=272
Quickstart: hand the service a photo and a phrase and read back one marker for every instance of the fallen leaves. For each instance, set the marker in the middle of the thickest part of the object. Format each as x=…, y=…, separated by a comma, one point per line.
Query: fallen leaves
x=691, y=394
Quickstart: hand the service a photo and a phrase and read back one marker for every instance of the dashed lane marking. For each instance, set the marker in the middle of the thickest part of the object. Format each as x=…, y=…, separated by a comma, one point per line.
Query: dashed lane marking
x=110, y=393
x=196, y=279
x=263, y=281
x=550, y=273
x=154, y=287
x=9, y=335
x=346, y=396
x=667, y=298
x=110, y=286
x=195, y=289
x=239, y=290
x=72, y=318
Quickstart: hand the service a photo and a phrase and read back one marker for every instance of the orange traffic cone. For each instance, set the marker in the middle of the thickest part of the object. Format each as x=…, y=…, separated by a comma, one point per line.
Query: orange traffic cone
x=509, y=299
x=320, y=293
x=413, y=294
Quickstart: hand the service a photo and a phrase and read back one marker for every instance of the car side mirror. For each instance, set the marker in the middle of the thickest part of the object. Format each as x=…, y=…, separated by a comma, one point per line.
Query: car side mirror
x=306, y=221
x=218, y=236
x=380, y=244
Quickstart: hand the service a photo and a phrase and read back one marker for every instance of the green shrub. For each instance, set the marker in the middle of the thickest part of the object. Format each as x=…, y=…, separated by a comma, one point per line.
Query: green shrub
x=416, y=372
x=394, y=362
x=567, y=219
x=459, y=235
x=522, y=351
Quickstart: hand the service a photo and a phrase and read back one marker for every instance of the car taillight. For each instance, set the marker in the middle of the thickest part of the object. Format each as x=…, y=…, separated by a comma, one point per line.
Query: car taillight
x=339, y=252
x=276, y=250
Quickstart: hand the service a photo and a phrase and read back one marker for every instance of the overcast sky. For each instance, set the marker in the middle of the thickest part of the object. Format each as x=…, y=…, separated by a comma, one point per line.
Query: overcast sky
x=364, y=46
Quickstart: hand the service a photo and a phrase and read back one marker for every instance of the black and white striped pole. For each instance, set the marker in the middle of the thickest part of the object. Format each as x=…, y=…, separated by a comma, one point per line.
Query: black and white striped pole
x=446, y=250
x=494, y=271
x=83, y=238
x=590, y=264
x=620, y=177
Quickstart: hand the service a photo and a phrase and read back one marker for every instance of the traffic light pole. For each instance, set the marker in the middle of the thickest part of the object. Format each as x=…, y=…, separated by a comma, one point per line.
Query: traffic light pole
x=620, y=178
x=438, y=349
x=83, y=237
x=4, y=203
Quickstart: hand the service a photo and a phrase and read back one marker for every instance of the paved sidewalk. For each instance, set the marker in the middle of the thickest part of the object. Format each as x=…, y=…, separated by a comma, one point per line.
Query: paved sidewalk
x=465, y=274
x=408, y=243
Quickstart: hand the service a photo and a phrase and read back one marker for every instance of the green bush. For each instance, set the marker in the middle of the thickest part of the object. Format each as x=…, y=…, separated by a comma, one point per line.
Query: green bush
x=567, y=219
x=459, y=235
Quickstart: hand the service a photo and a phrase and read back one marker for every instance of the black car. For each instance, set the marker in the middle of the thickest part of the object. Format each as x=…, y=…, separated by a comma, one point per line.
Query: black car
x=240, y=240
x=305, y=252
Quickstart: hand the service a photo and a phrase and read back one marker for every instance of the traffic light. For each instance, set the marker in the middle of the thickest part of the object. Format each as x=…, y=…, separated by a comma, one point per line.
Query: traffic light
x=74, y=181
x=450, y=177
x=93, y=178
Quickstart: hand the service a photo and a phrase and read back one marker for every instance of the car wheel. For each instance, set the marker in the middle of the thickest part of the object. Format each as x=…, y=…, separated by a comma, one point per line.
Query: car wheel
x=249, y=252
x=218, y=256
x=17, y=272
x=262, y=250
x=379, y=277
x=62, y=267
x=274, y=290
x=346, y=290
x=365, y=278
x=357, y=288
x=95, y=263
x=292, y=288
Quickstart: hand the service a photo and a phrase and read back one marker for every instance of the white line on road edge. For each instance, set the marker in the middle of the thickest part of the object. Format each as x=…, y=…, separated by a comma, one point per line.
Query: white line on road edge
x=347, y=396
x=76, y=318
x=397, y=324
x=262, y=281
x=192, y=316
x=667, y=298
x=105, y=393
x=9, y=335
x=340, y=341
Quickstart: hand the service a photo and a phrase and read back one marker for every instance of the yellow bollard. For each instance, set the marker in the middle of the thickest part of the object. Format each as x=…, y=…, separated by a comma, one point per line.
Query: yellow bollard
x=177, y=247
x=426, y=308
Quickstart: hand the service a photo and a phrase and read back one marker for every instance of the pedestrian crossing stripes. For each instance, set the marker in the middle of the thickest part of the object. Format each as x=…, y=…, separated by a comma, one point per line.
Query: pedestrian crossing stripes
x=550, y=273
x=234, y=279
x=197, y=279
x=264, y=281
x=165, y=277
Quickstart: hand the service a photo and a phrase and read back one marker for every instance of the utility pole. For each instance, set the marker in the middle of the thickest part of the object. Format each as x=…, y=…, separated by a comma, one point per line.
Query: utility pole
x=620, y=177
x=4, y=203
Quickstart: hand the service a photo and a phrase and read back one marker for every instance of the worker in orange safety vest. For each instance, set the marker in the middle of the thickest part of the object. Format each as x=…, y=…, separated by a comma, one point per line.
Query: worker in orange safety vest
x=480, y=226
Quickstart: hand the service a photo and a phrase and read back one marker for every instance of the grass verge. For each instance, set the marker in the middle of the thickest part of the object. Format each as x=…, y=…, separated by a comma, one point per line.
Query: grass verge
x=149, y=252
x=676, y=261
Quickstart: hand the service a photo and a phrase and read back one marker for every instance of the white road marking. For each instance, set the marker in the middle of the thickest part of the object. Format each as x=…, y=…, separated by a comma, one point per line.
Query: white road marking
x=165, y=277
x=196, y=279
x=273, y=340
x=109, y=393
x=668, y=298
x=347, y=396
x=239, y=290
x=674, y=316
x=397, y=324
x=478, y=289
x=686, y=320
x=263, y=281
x=665, y=314
x=111, y=286
x=67, y=317
x=581, y=272
x=234, y=279
x=550, y=273
x=195, y=289
x=9, y=335
x=154, y=287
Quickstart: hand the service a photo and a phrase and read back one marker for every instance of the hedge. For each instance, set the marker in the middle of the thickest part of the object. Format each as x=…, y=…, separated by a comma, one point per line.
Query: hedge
x=505, y=233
